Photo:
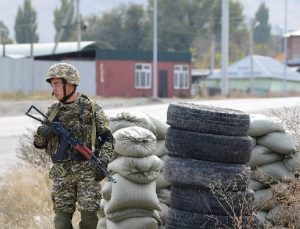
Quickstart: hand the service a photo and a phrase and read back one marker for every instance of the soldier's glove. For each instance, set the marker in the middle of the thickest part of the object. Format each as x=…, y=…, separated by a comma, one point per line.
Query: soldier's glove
x=46, y=131
x=99, y=175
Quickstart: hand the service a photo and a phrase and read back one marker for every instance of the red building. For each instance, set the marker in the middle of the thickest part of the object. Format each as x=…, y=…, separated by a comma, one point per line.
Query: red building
x=130, y=73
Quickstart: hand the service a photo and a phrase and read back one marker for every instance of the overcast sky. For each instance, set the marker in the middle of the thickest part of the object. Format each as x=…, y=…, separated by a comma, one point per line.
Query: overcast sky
x=45, y=9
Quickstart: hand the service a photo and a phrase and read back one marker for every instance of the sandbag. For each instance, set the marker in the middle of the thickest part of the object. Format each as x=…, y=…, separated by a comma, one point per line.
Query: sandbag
x=262, y=155
x=160, y=149
x=261, y=217
x=127, y=194
x=134, y=213
x=128, y=119
x=276, y=214
x=163, y=213
x=101, y=212
x=134, y=142
x=106, y=190
x=161, y=127
x=102, y=223
x=293, y=163
x=133, y=223
x=279, y=142
x=262, y=124
x=139, y=170
x=264, y=200
x=271, y=173
x=164, y=195
x=255, y=185
x=161, y=182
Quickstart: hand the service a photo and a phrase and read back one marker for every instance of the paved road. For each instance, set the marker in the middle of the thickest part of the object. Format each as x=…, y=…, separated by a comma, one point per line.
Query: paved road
x=13, y=127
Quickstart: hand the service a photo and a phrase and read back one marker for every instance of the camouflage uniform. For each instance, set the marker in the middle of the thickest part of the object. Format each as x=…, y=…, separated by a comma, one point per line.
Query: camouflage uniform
x=74, y=178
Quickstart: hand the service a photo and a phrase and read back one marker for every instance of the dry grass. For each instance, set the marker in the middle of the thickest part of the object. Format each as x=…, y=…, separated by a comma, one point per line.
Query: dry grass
x=25, y=199
x=18, y=96
x=25, y=191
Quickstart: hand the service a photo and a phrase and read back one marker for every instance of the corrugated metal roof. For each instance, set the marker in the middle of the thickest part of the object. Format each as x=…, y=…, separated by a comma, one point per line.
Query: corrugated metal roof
x=263, y=67
x=42, y=49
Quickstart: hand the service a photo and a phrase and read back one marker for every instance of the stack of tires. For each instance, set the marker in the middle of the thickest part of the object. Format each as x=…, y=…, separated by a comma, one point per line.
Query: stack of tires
x=274, y=162
x=206, y=165
x=138, y=199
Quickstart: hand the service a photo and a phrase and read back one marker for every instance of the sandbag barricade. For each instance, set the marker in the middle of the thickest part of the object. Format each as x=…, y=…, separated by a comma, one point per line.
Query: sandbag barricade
x=140, y=198
x=274, y=163
x=206, y=165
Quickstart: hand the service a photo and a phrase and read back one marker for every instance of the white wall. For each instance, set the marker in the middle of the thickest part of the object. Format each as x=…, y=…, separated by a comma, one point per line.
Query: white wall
x=28, y=75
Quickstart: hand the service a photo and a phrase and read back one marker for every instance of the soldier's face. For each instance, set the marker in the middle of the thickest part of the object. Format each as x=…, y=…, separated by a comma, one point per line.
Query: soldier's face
x=57, y=88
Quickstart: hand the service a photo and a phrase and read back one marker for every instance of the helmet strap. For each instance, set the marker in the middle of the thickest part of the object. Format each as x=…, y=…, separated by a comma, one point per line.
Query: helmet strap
x=66, y=97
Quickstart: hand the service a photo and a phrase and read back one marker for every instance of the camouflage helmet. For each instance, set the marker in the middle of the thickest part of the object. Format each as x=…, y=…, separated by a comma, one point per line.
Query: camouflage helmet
x=65, y=71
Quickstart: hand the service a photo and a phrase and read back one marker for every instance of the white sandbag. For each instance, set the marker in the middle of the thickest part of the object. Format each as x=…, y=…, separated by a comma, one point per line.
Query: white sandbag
x=271, y=173
x=279, y=142
x=264, y=199
x=255, y=185
x=134, y=213
x=293, y=163
x=161, y=182
x=102, y=223
x=101, y=212
x=160, y=149
x=261, y=216
x=161, y=127
x=262, y=155
x=127, y=119
x=140, y=170
x=262, y=124
x=276, y=214
x=164, y=195
x=127, y=194
x=133, y=223
x=163, y=213
x=106, y=190
x=134, y=142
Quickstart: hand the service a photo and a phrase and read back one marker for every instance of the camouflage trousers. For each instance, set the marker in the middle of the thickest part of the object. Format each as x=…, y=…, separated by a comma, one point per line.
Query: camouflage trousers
x=74, y=182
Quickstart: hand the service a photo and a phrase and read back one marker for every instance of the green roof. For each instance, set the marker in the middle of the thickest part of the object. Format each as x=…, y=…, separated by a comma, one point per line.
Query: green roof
x=109, y=54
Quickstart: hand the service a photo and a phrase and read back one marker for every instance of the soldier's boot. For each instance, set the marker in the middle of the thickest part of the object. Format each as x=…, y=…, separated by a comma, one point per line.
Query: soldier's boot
x=89, y=220
x=63, y=220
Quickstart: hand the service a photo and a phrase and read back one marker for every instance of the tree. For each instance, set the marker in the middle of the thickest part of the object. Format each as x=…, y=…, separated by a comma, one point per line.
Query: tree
x=25, y=24
x=4, y=34
x=59, y=17
x=261, y=32
x=124, y=27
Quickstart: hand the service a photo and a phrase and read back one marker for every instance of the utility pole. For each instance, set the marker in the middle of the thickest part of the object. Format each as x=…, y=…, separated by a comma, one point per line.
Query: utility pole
x=212, y=53
x=285, y=51
x=225, y=39
x=63, y=26
x=78, y=25
x=155, y=49
x=251, y=27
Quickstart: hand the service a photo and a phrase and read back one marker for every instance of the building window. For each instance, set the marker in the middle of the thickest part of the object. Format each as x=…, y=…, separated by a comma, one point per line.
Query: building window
x=181, y=77
x=142, y=76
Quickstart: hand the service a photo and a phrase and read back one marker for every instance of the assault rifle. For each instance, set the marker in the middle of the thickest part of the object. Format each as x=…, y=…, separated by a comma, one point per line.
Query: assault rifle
x=61, y=131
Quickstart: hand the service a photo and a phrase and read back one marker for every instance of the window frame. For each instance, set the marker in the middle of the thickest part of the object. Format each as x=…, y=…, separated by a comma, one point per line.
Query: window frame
x=145, y=73
x=181, y=76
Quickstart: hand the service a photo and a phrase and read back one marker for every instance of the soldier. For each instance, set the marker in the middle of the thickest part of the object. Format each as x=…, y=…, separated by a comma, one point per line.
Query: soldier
x=75, y=180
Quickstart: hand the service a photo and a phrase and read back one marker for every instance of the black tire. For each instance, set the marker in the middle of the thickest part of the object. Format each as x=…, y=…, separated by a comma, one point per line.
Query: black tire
x=209, y=147
x=206, y=174
x=177, y=219
x=217, y=202
x=208, y=119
